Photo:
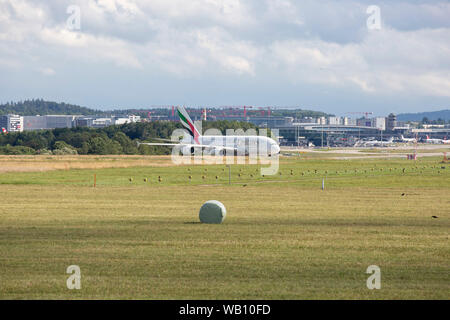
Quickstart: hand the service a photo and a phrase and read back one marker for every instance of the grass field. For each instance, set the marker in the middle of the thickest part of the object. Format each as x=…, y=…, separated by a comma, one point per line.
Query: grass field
x=283, y=237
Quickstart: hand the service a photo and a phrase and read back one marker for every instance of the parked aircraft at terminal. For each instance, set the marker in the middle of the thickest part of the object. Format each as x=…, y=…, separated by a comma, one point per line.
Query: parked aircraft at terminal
x=403, y=139
x=436, y=141
x=375, y=143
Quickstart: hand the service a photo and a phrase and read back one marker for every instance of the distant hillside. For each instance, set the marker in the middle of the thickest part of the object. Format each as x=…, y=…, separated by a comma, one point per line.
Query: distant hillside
x=41, y=107
x=433, y=115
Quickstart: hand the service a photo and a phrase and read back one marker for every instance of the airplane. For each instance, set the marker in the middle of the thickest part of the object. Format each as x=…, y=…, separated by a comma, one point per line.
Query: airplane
x=437, y=141
x=219, y=144
x=403, y=139
x=375, y=143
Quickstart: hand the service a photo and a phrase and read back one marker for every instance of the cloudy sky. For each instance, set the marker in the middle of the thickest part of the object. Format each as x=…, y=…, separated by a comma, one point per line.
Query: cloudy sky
x=323, y=55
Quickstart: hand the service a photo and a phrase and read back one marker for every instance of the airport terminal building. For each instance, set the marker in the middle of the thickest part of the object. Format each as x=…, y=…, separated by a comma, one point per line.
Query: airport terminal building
x=17, y=123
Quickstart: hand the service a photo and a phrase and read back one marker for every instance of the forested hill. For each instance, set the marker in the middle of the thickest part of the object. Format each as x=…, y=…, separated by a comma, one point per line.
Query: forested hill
x=41, y=107
x=433, y=115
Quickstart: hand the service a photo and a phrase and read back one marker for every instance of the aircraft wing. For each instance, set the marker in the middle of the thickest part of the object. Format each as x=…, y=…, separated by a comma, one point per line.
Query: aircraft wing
x=189, y=145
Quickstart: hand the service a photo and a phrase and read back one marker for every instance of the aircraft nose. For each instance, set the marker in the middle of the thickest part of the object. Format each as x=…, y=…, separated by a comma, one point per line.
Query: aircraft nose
x=276, y=148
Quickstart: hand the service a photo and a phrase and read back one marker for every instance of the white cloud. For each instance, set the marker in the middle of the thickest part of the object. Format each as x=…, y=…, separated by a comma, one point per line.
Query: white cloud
x=386, y=61
x=47, y=71
x=292, y=43
x=230, y=54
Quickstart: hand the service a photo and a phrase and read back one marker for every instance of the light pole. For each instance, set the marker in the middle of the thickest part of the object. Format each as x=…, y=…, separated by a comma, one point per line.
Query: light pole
x=322, y=132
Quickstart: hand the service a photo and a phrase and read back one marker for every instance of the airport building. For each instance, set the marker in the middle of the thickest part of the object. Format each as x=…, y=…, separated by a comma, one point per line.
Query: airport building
x=48, y=122
x=16, y=123
x=11, y=122
x=438, y=133
x=346, y=121
x=334, y=120
x=101, y=122
x=379, y=123
x=391, y=122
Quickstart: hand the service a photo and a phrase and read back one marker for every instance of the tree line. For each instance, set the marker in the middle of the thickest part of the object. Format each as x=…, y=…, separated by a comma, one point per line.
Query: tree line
x=425, y=120
x=116, y=139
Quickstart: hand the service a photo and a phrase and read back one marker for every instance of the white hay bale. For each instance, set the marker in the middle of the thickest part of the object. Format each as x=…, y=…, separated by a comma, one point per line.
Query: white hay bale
x=212, y=211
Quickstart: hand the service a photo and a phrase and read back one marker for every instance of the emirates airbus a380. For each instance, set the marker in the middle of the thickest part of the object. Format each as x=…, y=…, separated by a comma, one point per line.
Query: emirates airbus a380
x=240, y=144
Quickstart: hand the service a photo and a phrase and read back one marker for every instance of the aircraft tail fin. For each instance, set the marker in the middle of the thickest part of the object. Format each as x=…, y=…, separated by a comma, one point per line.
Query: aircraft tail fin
x=187, y=122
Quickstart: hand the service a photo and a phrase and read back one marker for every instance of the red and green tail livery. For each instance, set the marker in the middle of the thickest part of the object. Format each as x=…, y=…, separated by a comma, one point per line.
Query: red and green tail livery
x=188, y=124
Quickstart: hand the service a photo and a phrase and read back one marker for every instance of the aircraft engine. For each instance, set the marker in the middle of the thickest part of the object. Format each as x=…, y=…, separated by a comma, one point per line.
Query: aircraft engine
x=188, y=150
